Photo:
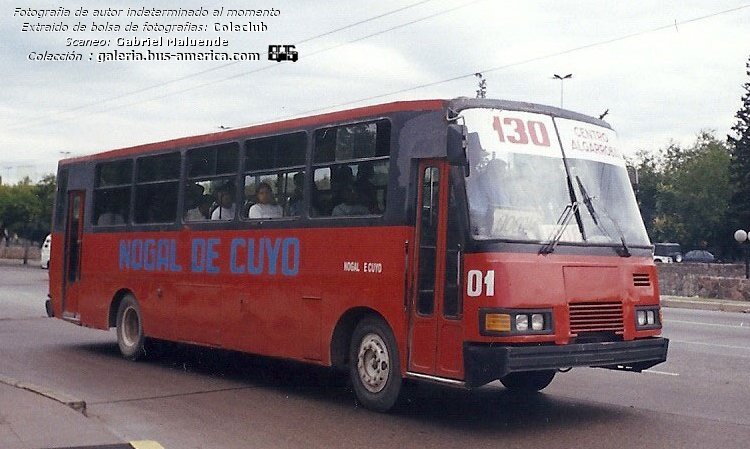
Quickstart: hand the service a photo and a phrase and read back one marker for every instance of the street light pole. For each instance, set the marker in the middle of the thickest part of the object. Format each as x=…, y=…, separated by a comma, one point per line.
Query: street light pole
x=741, y=236
x=562, y=80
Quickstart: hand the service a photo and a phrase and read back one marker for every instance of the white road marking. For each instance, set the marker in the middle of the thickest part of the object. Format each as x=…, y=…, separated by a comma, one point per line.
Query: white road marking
x=663, y=373
x=708, y=344
x=735, y=326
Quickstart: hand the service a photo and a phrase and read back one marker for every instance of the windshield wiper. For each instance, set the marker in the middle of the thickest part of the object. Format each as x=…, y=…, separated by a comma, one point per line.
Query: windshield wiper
x=562, y=223
x=624, y=251
x=587, y=201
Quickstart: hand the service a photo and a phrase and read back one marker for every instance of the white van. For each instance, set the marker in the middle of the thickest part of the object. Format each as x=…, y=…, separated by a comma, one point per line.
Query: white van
x=46, y=246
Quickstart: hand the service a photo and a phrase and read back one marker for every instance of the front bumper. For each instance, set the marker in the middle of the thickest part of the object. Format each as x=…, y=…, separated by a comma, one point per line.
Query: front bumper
x=484, y=363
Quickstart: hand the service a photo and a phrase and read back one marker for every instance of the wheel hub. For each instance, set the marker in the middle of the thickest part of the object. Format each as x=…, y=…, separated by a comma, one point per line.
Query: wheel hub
x=130, y=330
x=373, y=363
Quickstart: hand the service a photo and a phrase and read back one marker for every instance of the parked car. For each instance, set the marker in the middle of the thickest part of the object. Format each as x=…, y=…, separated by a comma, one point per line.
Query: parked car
x=667, y=252
x=699, y=255
x=46, y=246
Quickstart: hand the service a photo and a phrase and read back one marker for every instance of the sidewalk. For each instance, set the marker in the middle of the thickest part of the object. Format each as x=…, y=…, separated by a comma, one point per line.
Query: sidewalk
x=32, y=417
x=724, y=305
x=31, y=421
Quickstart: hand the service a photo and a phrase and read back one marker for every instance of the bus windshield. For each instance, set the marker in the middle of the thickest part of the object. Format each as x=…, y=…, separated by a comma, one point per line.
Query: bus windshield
x=519, y=190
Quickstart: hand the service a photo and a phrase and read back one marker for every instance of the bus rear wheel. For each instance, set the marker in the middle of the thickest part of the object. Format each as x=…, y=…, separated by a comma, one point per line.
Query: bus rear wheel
x=374, y=366
x=130, y=336
x=528, y=381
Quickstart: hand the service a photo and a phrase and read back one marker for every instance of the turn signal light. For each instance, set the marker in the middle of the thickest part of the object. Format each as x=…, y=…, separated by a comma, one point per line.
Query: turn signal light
x=497, y=322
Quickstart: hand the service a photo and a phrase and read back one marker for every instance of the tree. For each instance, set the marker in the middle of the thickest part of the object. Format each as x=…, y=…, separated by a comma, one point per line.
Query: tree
x=739, y=209
x=649, y=177
x=26, y=208
x=684, y=193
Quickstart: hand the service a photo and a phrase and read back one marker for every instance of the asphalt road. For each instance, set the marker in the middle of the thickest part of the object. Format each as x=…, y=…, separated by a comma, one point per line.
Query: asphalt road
x=195, y=398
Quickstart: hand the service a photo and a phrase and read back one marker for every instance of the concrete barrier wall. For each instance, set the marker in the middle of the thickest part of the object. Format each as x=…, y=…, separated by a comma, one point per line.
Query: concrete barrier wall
x=16, y=252
x=721, y=281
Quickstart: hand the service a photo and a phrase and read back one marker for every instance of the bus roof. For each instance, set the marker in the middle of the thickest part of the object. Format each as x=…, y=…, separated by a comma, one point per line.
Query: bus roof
x=266, y=128
x=456, y=104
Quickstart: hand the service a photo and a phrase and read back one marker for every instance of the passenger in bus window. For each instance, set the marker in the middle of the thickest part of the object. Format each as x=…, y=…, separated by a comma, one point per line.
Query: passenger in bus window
x=341, y=179
x=225, y=198
x=351, y=204
x=110, y=218
x=202, y=210
x=296, y=200
x=111, y=215
x=366, y=190
x=193, y=194
x=265, y=207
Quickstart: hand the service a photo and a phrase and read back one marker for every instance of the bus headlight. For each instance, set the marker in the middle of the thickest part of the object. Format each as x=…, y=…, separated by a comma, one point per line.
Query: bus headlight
x=648, y=317
x=515, y=322
x=522, y=322
x=537, y=321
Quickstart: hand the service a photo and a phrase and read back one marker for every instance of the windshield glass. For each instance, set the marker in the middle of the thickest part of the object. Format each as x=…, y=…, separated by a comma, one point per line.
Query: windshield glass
x=518, y=188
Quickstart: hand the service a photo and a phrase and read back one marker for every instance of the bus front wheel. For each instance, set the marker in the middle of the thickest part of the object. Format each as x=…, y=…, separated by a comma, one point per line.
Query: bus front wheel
x=528, y=381
x=374, y=366
x=130, y=336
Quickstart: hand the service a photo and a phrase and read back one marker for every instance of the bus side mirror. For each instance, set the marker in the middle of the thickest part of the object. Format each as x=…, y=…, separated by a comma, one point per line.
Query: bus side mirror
x=456, y=150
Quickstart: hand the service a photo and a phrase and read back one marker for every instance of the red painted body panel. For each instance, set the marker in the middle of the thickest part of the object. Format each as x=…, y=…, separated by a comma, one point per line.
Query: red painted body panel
x=294, y=316
x=271, y=314
x=536, y=281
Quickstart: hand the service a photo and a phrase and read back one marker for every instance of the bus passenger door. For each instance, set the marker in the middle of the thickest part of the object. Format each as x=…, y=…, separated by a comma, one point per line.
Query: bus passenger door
x=435, y=333
x=72, y=254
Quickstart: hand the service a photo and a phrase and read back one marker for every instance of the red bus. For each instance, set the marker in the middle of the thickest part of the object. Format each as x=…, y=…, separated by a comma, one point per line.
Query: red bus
x=454, y=241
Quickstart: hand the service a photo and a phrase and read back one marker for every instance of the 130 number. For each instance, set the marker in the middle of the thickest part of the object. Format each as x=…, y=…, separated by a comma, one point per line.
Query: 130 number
x=521, y=131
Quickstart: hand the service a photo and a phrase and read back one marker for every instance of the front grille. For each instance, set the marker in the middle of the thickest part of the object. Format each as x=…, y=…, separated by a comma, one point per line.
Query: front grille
x=596, y=317
x=641, y=280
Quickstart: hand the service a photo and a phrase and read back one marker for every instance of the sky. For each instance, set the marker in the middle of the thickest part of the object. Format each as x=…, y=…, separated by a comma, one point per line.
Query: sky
x=664, y=70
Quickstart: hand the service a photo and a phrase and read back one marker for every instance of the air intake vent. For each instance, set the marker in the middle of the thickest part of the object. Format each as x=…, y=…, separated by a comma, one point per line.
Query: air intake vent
x=596, y=317
x=641, y=280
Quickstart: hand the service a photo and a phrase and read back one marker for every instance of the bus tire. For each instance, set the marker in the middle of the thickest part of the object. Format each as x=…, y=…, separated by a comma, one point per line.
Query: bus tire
x=528, y=381
x=374, y=365
x=130, y=337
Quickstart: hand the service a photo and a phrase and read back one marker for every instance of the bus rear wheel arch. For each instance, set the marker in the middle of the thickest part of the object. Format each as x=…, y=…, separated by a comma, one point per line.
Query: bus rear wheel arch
x=374, y=364
x=130, y=337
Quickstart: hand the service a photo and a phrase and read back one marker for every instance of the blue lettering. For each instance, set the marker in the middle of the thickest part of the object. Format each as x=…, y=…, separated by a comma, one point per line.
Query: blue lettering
x=287, y=268
x=236, y=269
x=173, y=265
x=149, y=255
x=263, y=256
x=212, y=255
x=124, y=254
x=136, y=254
x=252, y=267
x=273, y=253
x=162, y=255
x=198, y=256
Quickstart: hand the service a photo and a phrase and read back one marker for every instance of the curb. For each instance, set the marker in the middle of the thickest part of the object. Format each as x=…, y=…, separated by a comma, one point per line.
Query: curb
x=76, y=404
x=130, y=445
x=705, y=304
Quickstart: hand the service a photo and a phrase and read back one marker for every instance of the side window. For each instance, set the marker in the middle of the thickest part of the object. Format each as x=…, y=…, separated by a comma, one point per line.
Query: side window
x=427, y=240
x=112, y=184
x=274, y=176
x=210, y=192
x=451, y=288
x=156, y=190
x=351, y=169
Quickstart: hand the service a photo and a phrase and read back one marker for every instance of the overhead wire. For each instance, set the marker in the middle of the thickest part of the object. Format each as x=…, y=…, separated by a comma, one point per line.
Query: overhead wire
x=518, y=63
x=421, y=86
x=32, y=122
x=243, y=74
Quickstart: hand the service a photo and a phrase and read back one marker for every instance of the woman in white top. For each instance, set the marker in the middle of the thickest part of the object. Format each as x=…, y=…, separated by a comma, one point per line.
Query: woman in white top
x=225, y=211
x=264, y=208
